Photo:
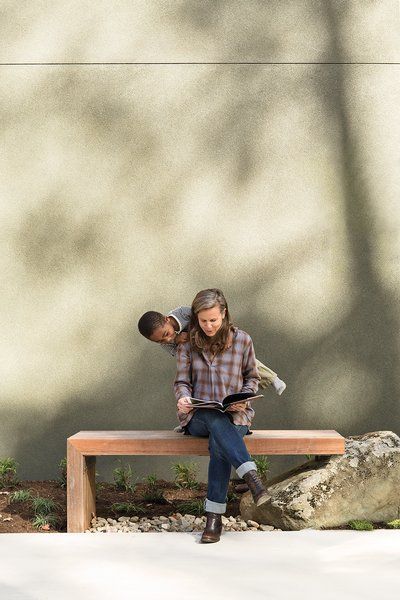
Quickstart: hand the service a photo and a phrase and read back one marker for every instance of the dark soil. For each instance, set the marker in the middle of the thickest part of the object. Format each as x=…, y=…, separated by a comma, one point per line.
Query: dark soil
x=18, y=517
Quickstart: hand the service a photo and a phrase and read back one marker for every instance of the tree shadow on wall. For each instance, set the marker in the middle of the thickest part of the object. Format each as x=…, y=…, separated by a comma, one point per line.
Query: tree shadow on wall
x=365, y=335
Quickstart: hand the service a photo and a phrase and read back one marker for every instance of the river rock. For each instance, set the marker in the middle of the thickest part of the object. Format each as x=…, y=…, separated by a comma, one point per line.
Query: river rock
x=363, y=483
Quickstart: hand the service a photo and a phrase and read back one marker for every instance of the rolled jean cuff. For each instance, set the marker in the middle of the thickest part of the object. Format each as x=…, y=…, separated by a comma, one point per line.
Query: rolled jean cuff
x=215, y=507
x=245, y=468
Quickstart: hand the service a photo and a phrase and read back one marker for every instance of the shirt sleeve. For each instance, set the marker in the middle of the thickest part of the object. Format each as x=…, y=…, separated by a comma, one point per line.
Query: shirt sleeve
x=251, y=377
x=183, y=379
x=182, y=315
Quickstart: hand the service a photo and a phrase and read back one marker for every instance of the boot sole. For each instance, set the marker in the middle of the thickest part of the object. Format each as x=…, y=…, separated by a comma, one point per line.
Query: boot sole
x=263, y=499
x=208, y=540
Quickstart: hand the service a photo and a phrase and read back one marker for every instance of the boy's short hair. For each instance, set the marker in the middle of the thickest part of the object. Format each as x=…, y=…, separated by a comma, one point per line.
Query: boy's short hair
x=149, y=322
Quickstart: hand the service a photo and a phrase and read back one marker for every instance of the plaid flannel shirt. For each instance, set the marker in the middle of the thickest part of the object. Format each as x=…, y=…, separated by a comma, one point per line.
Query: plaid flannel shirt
x=231, y=371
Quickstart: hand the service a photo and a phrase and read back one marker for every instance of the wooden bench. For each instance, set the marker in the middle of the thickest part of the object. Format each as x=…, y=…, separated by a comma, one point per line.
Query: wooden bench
x=83, y=447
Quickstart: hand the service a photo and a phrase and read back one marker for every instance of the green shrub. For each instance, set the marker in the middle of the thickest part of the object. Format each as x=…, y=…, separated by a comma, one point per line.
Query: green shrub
x=152, y=492
x=44, y=506
x=20, y=496
x=191, y=507
x=360, y=525
x=100, y=485
x=8, y=472
x=41, y=521
x=185, y=475
x=62, y=467
x=394, y=524
x=262, y=464
x=128, y=508
x=123, y=477
x=231, y=496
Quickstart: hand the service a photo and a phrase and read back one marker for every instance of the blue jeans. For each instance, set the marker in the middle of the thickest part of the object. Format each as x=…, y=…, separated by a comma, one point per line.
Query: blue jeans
x=227, y=449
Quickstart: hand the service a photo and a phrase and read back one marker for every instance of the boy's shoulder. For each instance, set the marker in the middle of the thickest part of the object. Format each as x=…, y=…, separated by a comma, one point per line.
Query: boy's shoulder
x=182, y=315
x=184, y=310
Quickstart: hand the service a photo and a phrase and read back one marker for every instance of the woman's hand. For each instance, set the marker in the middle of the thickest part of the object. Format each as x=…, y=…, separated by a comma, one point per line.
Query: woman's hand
x=240, y=406
x=181, y=338
x=184, y=405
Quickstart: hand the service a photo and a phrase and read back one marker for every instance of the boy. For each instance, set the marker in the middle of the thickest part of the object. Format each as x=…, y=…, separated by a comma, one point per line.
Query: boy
x=171, y=330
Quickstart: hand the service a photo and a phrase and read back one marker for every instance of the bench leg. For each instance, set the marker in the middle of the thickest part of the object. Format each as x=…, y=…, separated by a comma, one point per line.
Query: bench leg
x=81, y=490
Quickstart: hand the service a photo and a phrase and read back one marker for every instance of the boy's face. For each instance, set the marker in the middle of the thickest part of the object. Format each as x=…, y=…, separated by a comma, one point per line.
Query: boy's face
x=164, y=334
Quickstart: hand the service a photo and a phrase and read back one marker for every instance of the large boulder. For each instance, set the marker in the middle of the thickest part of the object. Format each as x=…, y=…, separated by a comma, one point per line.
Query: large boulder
x=363, y=483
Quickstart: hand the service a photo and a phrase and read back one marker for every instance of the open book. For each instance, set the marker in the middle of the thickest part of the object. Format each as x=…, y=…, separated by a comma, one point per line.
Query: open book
x=226, y=402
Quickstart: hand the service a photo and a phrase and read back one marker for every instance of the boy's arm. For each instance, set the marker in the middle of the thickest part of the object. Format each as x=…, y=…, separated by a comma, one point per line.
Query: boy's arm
x=181, y=338
x=172, y=347
x=182, y=316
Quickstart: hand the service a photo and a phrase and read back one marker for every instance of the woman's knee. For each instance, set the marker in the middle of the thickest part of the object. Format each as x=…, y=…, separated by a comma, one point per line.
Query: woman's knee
x=214, y=448
x=197, y=428
x=218, y=421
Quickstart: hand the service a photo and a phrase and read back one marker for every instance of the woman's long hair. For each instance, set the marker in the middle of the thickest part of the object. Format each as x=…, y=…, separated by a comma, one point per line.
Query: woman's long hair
x=199, y=341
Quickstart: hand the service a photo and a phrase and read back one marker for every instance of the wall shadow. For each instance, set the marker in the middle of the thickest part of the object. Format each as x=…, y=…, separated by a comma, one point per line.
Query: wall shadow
x=49, y=245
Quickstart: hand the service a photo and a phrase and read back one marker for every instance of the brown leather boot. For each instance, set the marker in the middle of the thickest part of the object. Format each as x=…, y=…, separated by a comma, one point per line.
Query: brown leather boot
x=212, y=531
x=258, y=491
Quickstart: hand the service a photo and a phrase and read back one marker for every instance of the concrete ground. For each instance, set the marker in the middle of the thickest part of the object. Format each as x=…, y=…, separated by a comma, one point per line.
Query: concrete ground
x=308, y=564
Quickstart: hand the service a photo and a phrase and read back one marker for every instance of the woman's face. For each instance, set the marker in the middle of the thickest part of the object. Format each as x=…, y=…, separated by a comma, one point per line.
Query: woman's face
x=210, y=320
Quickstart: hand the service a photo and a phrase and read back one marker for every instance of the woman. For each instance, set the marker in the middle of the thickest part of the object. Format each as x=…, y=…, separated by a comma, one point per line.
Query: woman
x=218, y=360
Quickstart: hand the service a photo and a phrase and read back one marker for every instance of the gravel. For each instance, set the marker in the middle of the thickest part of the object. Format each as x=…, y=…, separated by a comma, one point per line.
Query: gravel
x=174, y=523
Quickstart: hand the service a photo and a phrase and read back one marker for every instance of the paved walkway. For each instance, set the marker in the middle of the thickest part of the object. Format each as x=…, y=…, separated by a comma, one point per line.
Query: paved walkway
x=309, y=565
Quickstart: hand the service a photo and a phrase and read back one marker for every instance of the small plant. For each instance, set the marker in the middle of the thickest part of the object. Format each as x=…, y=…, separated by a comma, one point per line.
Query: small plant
x=62, y=467
x=262, y=464
x=192, y=507
x=20, y=496
x=185, y=475
x=44, y=521
x=100, y=485
x=43, y=506
x=394, y=524
x=152, y=493
x=123, y=478
x=129, y=508
x=309, y=456
x=44, y=517
x=361, y=525
x=151, y=480
x=8, y=472
x=231, y=496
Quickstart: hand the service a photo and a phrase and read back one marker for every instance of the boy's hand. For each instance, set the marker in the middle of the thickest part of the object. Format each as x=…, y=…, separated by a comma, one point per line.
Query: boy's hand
x=240, y=406
x=181, y=338
x=184, y=405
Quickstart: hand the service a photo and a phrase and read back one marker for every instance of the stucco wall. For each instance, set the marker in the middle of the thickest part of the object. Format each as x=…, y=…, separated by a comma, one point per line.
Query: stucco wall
x=129, y=187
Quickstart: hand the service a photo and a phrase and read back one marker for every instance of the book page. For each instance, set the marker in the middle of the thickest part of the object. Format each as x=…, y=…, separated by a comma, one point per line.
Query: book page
x=198, y=402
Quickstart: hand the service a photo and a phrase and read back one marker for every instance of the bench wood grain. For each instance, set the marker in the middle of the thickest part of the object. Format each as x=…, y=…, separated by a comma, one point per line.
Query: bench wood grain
x=84, y=446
